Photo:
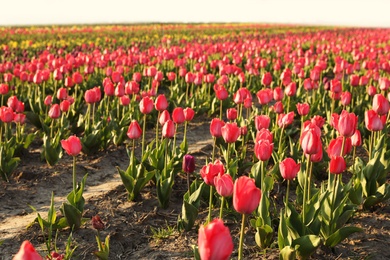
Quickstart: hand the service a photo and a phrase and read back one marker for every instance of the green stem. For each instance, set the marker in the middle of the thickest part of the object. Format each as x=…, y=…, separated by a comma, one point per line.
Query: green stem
x=188, y=183
x=220, y=109
x=287, y=192
x=280, y=140
x=221, y=209
x=74, y=179
x=241, y=237
x=158, y=116
x=309, y=180
x=210, y=204
x=143, y=137
x=305, y=195
x=335, y=185
x=213, y=154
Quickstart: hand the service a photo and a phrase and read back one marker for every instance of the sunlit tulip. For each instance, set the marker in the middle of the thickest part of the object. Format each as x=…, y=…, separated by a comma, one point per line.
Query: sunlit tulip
x=373, y=121
x=4, y=89
x=285, y=119
x=266, y=79
x=146, y=105
x=134, y=131
x=215, y=241
x=310, y=141
x=54, y=111
x=216, y=126
x=168, y=130
x=347, y=124
x=224, y=185
x=189, y=114
x=178, y=115
x=210, y=171
x=161, y=103
x=289, y=168
x=303, y=109
x=64, y=105
x=264, y=96
x=220, y=92
x=62, y=94
x=265, y=134
x=27, y=252
x=72, y=145
x=337, y=165
x=246, y=196
x=263, y=149
x=346, y=98
x=262, y=121
x=230, y=132
x=380, y=104
x=356, y=138
x=334, y=147
x=164, y=117
x=231, y=114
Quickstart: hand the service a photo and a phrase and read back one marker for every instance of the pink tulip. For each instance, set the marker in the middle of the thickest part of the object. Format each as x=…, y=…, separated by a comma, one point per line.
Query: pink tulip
x=246, y=196
x=27, y=252
x=72, y=145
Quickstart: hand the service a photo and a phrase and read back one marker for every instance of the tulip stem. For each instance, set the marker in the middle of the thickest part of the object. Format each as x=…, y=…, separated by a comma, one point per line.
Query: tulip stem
x=188, y=183
x=74, y=179
x=210, y=204
x=222, y=205
x=241, y=237
x=158, y=116
x=335, y=186
x=143, y=137
x=305, y=196
x=220, y=109
x=212, y=155
x=309, y=180
x=287, y=192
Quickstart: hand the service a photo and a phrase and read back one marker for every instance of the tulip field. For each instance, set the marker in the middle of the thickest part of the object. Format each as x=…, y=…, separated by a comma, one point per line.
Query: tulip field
x=194, y=141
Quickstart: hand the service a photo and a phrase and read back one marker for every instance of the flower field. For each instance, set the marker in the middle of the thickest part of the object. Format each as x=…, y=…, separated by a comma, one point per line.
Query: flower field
x=194, y=141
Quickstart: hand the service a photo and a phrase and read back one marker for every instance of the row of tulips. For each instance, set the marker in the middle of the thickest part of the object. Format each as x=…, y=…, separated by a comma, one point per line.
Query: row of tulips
x=98, y=95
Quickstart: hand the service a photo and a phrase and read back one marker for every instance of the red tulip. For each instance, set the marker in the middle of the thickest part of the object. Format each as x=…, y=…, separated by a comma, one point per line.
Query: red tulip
x=310, y=141
x=215, y=241
x=97, y=223
x=27, y=252
x=64, y=105
x=291, y=89
x=266, y=79
x=278, y=107
x=224, y=185
x=303, y=109
x=69, y=82
x=262, y=121
x=216, y=126
x=164, y=117
x=4, y=89
x=317, y=157
x=90, y=96
x=371, y=91
x=231, y=114
x=134, y=131
x=289, y=168
x=119, y=90
x=13, y=102
x=54, y=111
x=210, y=171
x=380, y=104
x=77, y=78
x=356, y=139
x=220, y=92
x=278, y=94
x=72, y=145
x=334, y=147
x=265, y=134
x=263, y=149
x=347, y=124
x=230, y=132
x=337, y=165
x=62, y=93
x=146, y=105
x=285, y=119
x=171, y=76
x=168, y=130
x=246, y=196
x=137, y=77
x=373, y=121
x=264, y=96
x=346, y=98
x=178, y=115
x=6, y=114
x=189, y=113
x=109, y=89
x=161, y=103
x=354, y=80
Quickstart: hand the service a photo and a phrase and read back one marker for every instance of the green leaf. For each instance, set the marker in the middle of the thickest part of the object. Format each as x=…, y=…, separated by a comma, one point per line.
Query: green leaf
x=287, y=253
x=72, y=215
x=340, y=235
x=264, y=236
x=306, y=245
x=189, y=214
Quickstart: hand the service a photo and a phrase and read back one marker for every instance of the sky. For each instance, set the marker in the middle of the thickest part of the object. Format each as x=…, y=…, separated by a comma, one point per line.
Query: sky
x=366, y=13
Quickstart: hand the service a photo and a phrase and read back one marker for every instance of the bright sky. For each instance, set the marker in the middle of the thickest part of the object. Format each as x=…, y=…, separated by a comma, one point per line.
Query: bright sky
x=372, y=13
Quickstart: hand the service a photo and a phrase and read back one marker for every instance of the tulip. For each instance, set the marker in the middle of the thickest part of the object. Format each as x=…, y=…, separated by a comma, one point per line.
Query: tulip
x=263, y=149
x=97, y=223
x=266, y=79
x=278, y=94
x=48, y=100
x=168, y=130
x=4, y=89
x=264, y=96
x=337, y=165
x=246, y=198
x=54, y=111
x=230, y=132
x=265, y=134
x=335, y=146
x=278, y=107
x=124, y=100
x=64, y=105
x=224, y=184
x=216, y=126
x=220, y=92
x=62, y=93
x=291, y=89
x=161, y=103
x=72, y=145
x=134, y=131
x=164, y=117
x=178, y=115
x=27, y=252
x=210, y=171
x=356, y=139
x=231, y=114
x=346, y=98
x=215, y=241
x=380, y=104
x=347, y=124
x=289, y=168
x=262, y=121
x=189, y=113
x=310, y=141
x=146, y=105
x=188, y=167
x=285, y=119
x=90, y=96
x=303, y=109
x=373, y=121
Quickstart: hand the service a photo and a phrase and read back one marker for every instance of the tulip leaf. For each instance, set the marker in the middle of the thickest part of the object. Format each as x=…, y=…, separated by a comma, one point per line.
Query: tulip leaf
x=287, y=253
x=263, y=236
x=283, y=237
x=340, y=235
x=72, y=215
x=306, y=245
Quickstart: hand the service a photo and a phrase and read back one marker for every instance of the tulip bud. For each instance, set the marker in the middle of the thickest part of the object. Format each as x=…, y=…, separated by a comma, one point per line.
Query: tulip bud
x=134, y=131
x=263, y=149
x=231, y=114
x=356, y=139
x=188, y=163
x=97, y=223
x=189, y=114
